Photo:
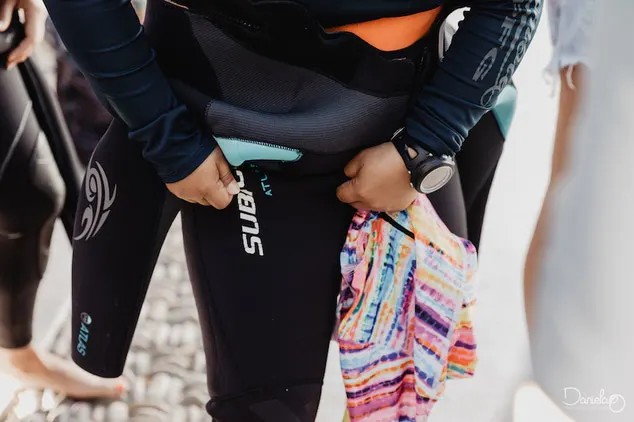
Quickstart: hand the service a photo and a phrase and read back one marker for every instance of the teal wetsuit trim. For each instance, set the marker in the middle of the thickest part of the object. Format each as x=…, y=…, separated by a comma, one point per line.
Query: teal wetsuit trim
x=238, y=151
x=504, y=109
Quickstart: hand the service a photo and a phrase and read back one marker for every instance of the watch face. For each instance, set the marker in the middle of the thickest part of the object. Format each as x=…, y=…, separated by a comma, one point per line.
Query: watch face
x=436, y=179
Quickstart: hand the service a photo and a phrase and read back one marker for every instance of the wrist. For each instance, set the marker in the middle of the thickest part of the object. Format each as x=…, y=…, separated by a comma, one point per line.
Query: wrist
x=428, y=171
x=176, y=161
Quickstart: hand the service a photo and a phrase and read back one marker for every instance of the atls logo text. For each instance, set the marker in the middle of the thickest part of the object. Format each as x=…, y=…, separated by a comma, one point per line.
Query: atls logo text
x=84, y=332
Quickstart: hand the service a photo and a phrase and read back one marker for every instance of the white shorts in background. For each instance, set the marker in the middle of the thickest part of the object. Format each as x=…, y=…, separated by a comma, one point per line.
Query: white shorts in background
x=571, y=22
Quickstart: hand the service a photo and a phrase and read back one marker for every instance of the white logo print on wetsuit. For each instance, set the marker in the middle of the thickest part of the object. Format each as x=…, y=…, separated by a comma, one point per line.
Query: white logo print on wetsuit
x=251, y=240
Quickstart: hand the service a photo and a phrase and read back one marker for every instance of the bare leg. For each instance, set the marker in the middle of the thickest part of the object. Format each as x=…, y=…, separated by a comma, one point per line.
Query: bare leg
x=43, y=370
x=568, y=104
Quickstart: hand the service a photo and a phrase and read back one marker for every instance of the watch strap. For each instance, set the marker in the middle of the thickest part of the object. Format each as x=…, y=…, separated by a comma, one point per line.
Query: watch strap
x=403, y=143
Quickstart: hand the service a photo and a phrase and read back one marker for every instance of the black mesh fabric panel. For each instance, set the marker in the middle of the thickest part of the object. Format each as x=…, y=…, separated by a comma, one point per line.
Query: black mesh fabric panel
x=270, y=101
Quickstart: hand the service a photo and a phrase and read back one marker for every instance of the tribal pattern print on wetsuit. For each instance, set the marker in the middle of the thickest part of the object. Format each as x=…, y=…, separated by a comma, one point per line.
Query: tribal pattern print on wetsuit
x=106, y=40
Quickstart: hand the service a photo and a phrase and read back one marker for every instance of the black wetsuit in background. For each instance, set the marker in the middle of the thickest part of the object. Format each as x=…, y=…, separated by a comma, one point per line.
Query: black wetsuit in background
x=40, y=177
x=31, y=198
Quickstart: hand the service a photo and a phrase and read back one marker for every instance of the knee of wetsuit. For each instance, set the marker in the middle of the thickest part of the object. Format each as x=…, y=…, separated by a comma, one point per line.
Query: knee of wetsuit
x=296, y=403
x=48, y=189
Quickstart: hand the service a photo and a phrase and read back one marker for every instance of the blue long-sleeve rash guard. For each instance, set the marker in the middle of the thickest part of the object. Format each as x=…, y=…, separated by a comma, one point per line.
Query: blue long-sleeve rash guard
x=107, y=41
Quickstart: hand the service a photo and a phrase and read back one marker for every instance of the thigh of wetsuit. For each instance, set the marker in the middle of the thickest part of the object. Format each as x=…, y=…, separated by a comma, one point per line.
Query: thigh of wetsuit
x=462, y=202
x=266, y=276
x=478, y=161
x=122, y=219
x=450, y=206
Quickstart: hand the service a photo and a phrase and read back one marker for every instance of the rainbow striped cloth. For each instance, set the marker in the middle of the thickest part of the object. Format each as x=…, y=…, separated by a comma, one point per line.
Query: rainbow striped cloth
x=404, y=312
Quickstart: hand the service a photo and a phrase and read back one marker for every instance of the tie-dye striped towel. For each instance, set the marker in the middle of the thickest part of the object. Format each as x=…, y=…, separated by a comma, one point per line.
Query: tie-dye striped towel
x=405, y=324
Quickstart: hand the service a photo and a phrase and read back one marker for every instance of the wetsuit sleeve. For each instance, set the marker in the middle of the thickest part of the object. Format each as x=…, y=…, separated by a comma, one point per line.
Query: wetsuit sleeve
x=484, y=53
x=106, y=40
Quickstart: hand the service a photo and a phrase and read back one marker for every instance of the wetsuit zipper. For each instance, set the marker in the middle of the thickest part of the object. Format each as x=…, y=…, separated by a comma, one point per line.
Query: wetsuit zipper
x=266, y=144
x=238, y=21
x=205, y=13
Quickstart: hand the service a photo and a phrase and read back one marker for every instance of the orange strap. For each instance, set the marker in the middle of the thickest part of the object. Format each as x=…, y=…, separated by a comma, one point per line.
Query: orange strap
x=390, y=34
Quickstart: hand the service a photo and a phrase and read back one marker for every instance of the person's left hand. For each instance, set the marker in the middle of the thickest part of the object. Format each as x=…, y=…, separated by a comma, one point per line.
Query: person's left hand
x=379, y=181
x=34, y=26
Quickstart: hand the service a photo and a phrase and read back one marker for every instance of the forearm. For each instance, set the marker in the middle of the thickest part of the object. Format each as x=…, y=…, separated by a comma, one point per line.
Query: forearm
x=484, y=53
x=106, y=40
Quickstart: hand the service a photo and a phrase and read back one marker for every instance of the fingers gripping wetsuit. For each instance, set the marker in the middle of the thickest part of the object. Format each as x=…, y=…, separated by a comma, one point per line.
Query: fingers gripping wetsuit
x=265, y=271
x=31, y=198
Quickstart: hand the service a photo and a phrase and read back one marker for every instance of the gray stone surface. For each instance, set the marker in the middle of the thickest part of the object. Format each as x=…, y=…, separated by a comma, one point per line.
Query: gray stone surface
x=165, y=367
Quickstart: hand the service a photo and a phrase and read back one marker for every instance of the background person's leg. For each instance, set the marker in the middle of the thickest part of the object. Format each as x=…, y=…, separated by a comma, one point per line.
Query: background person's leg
x=580, y=337
x=31, y=196
x=570, y=24
x=266, y=276
x=569, y=99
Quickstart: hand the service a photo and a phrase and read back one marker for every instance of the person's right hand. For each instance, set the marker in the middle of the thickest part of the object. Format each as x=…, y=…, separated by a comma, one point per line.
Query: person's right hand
x=34, y=27
x=212, y=183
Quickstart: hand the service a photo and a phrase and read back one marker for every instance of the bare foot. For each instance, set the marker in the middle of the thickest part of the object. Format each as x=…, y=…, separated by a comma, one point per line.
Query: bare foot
x=43, y=370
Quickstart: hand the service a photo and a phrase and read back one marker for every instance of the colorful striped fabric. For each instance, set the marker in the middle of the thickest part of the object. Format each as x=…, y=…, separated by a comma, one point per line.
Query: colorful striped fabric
x=405, y=325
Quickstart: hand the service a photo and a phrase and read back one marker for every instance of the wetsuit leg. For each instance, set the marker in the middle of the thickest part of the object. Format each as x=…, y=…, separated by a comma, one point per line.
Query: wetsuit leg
x=51, y=120
x=450, y=207
x=266, y=276
x=461, y=203
x=266, y=316
x=31, y=198
x=86, y=117
x=123, y=216
x=478, y=161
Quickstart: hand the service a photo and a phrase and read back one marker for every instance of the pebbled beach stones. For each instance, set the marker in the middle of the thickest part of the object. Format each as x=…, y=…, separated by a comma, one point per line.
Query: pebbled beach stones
x=165, y=367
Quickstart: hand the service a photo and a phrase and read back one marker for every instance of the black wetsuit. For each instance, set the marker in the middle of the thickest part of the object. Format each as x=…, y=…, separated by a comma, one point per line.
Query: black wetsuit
x=40, y=178
x=265, y=271
x=31, y=198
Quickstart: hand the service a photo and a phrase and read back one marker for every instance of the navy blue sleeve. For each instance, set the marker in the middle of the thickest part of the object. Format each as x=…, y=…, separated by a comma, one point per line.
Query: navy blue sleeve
x=485, y=51
x=106, y=40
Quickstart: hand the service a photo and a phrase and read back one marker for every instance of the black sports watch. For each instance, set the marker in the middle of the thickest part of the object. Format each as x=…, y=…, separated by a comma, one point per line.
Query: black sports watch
x=429, y=172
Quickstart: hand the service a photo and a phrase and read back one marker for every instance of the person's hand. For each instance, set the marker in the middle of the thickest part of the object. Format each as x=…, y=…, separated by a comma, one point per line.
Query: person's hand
x=34, y=26
x=379, y=181
x=212, y=183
